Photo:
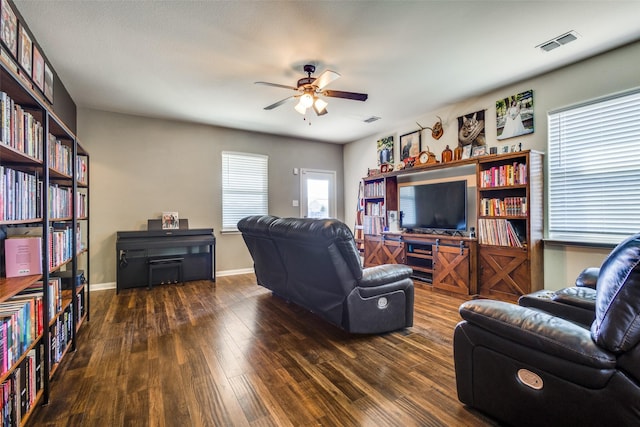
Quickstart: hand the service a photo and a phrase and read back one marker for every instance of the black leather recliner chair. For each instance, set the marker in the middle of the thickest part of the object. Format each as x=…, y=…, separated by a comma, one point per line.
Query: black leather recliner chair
x=524, y=366
x=576, y=303
x=315, y=263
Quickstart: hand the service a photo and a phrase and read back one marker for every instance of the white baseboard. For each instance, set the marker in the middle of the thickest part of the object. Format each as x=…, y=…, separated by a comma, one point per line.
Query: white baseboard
x=103, y=286
x=234, y=272
x=112, y=285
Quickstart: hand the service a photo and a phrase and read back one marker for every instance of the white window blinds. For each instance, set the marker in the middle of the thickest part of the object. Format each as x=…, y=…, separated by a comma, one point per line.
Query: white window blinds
x=594, y=170
x=245, y=187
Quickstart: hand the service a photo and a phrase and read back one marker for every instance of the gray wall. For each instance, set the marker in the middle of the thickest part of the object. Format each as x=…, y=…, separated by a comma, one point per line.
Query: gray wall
x=141, y=167
x=611, y=72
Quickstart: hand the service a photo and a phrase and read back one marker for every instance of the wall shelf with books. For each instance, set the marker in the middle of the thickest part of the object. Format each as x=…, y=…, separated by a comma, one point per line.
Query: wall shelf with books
x=44, y=197
x=380, y=196
x=510, y=222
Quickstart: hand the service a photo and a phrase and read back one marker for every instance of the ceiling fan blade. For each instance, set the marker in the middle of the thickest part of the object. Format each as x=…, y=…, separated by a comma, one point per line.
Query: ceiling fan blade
x=279, y=103
x=346, y=95
x=276, y=85
x=325, y=78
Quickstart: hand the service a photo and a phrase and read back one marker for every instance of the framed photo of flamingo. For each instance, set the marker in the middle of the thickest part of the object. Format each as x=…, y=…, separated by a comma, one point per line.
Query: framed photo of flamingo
x=514, y=115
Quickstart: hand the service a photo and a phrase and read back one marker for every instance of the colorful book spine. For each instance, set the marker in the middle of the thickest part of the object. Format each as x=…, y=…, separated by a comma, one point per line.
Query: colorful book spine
x=19, y=195
x=60, y=156
x=20, y=129
x=504, y=175
x=61, y=237
x=374, y=189
x=508, y=206
x=498, y=232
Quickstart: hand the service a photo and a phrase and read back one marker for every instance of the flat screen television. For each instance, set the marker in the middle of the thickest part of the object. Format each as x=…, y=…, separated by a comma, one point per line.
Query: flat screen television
x=434, y=207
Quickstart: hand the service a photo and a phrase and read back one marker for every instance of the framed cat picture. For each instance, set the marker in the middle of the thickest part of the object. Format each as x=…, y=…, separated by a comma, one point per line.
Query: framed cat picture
x=471, y=129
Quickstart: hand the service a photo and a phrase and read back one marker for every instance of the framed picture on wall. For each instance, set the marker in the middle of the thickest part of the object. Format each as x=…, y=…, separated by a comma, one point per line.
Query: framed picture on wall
x=9, y=28
x=48, y=82
x=38, y=68
x=514, y=115
x=471, y=129
x=385, y=150
x=410, y=145
x=25, y=50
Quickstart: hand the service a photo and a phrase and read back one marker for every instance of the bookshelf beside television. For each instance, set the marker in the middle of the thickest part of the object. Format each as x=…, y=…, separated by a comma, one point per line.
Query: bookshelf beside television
x=484, y=240
x=510, y=224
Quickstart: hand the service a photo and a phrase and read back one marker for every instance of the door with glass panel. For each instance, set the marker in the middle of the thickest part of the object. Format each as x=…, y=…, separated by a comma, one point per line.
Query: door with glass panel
x=318, y=194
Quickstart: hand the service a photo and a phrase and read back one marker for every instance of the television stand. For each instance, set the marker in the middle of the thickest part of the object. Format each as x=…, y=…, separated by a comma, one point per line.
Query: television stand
x=436, y=232
x=443, y=261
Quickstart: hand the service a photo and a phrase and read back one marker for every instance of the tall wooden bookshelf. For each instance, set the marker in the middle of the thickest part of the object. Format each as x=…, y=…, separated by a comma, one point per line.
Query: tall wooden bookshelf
x=380, y=197
x=510, y=224
x=44, y=194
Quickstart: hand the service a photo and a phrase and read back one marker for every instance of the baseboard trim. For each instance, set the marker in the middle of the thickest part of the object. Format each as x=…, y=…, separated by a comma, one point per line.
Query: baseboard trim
x=234, y=272
x=103, y=286
x=112, y=285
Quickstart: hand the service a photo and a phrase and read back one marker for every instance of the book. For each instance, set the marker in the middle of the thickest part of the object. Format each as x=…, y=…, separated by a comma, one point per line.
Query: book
x=23, y=256
x=170, y=221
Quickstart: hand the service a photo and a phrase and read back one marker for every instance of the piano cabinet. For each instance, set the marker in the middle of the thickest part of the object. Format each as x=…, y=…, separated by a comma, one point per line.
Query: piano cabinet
x=191, y=251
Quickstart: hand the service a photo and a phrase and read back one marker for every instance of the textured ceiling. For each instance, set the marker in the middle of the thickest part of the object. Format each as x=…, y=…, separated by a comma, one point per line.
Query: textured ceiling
x=198, y=60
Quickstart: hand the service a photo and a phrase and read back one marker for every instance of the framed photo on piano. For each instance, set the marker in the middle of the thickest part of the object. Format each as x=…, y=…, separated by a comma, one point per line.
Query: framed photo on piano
x=170, y=221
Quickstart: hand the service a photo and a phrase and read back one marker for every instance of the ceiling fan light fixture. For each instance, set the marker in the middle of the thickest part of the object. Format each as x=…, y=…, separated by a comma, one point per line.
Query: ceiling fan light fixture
x=320, y=105
x=300, y=108
x=306, y=100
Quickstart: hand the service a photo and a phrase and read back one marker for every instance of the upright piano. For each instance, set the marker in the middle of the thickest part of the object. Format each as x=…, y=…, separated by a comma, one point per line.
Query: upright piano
x=191, y=252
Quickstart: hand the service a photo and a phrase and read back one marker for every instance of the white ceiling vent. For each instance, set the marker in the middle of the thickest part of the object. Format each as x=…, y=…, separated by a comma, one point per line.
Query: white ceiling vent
x=558, y=41
x=371, y=119
x=550, y=45
x=566, y=38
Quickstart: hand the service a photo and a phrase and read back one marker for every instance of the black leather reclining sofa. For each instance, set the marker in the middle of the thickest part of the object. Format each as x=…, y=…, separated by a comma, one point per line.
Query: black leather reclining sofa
x=540, y=366
x=315, y=263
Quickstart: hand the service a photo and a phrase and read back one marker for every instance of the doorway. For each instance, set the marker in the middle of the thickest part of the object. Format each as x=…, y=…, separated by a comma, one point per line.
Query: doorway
x=318, y=193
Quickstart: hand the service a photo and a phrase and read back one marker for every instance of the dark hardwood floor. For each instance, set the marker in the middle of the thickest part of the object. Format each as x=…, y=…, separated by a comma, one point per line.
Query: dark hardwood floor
x=234, y=355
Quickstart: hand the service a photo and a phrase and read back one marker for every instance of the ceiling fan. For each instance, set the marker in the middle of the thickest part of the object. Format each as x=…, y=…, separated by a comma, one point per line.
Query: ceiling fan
x=311, y=88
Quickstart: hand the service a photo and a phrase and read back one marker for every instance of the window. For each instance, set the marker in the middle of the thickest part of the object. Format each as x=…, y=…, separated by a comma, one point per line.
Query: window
x=594, y=170
x=245, y=187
